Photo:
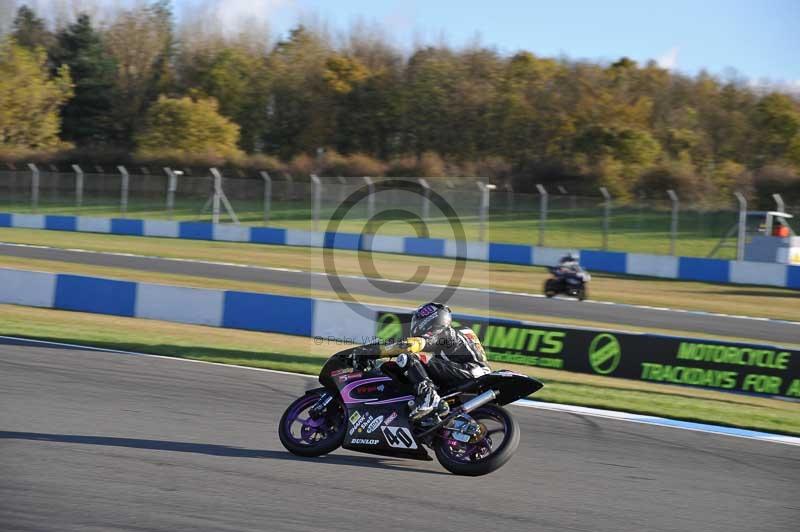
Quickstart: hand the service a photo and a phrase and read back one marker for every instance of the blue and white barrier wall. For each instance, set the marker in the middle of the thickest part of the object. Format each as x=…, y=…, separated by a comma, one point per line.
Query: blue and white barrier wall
x=217, y=308
x=646, y=355
x=664, y=266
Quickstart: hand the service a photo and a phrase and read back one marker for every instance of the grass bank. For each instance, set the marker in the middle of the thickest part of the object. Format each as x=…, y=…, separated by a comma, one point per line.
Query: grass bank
x=632, y=228
x=759, y=301
x=225, y=284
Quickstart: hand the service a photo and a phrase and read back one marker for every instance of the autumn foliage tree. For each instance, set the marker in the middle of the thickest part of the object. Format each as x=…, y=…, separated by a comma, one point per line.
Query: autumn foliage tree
x=30, y=99
x=183, y=126
x=633, y=128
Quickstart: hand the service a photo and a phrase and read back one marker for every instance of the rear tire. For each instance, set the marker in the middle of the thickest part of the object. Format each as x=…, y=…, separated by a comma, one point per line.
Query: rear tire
x=582, y=293
x=334, y=415
x=491, y=463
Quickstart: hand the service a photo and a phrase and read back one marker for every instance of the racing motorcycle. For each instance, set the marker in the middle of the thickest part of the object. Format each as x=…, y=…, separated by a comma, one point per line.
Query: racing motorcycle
x=571, y=283
x=363, y=405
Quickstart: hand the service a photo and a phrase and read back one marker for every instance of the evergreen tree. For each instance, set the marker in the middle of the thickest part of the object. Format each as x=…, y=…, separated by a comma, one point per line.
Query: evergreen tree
x=29, y=30
x=87, y=117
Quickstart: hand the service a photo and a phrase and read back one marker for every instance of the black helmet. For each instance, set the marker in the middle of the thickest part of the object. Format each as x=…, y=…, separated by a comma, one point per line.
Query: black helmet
x=430, y=320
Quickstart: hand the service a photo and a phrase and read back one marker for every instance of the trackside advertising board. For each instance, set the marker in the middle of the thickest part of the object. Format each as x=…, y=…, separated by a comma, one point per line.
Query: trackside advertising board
x=751, y=368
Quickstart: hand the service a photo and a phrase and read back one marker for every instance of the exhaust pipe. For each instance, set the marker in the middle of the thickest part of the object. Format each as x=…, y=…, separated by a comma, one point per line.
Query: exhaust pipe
x=476, y=402
x=479, y=401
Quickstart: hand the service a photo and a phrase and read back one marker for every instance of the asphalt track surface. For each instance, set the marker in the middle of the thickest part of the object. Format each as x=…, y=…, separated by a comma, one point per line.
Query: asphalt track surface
x=96, y=441
x=773, y=331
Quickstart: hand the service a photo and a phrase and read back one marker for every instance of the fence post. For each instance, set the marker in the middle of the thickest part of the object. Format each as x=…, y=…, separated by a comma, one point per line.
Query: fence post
x=573, y=203
x=483, y=209
x=215, y=195
x=78, y=185
x=267, y=195
x=218, y=196
x=426, y=203
x=342, y=189
x=123, y=199
x=289, y=194
x=316, y=186
x=509, y=197
x=779, y=205
x=172, y=185
x=370, y=197
x=542, y=212
x=34, y=186
x=606, y=215
x=673, y=227
x=742, y=225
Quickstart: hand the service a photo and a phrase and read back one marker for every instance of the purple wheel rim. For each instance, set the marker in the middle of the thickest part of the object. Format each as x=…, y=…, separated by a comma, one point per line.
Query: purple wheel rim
x=310, y=429
x=475, y=452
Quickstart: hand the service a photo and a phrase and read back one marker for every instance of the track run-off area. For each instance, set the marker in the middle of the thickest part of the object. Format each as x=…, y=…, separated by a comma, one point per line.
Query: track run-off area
x=510, y=303
x=96, y=440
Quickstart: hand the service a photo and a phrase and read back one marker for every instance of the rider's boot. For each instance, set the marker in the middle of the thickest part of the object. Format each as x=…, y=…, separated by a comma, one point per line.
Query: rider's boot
x=427, y=402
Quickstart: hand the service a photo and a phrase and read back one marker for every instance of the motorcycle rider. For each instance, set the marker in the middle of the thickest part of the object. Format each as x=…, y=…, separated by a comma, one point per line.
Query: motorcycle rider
x=435, y=354
x=569, y=263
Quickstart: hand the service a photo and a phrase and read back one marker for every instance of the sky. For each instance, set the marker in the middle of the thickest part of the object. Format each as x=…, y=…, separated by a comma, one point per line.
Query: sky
x=760, y=39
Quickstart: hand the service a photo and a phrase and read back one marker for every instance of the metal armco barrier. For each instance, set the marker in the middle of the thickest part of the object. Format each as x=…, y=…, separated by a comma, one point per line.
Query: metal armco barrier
x=726, y=366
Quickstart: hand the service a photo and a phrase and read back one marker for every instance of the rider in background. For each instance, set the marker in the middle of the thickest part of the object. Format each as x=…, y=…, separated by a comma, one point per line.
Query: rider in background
x=435, y=354
x=569, y=264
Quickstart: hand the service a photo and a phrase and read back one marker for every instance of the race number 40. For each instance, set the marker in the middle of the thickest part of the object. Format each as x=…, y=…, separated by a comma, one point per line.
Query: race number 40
x=399, y=437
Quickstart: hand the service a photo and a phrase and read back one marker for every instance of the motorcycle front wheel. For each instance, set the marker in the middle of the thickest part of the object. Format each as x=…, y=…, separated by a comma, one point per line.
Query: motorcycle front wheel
x=550, y=288
x=306, y=436
x=488, y=451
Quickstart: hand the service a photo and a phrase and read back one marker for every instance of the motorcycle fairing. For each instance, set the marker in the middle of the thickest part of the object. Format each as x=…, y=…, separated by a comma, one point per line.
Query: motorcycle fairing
x=509, y=385
x=382, y=429
x=376, y=406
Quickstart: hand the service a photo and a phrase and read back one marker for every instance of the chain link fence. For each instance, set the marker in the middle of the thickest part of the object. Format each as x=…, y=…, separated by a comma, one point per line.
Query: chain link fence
x=552, y=217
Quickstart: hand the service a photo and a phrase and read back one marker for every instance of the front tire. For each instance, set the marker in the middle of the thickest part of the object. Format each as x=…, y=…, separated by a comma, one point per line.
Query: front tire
x=314, y=437
x=550, y=288
x=458, y=458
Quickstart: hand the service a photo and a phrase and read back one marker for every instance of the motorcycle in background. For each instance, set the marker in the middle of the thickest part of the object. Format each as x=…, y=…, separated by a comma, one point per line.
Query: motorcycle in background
x=568, y=281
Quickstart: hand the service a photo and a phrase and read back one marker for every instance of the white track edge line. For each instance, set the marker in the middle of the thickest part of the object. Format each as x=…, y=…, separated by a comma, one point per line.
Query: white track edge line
x=488, y=291
x=526, y=403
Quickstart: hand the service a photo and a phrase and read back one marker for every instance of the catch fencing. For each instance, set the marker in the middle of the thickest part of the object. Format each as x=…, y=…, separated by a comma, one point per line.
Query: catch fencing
x=554, y=216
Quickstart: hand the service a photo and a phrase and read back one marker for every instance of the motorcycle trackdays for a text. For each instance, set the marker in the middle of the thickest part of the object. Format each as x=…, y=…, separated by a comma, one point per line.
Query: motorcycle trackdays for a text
x=363, y=405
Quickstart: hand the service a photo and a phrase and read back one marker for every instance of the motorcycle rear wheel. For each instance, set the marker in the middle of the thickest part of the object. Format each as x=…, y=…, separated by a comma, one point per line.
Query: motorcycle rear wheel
x=481, y=457
x=315, y=437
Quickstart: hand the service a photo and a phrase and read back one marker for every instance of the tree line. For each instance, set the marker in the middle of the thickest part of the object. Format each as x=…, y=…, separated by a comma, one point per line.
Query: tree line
x=360, y=106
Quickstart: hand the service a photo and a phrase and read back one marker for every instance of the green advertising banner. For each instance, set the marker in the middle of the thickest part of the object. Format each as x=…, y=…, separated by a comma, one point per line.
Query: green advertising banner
x=751, y=368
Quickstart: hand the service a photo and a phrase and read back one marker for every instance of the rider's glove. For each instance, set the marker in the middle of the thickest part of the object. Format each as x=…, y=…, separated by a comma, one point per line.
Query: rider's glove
x=415, y=344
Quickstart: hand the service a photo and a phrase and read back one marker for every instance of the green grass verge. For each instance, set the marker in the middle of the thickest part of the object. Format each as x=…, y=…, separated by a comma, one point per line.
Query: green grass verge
x=760, y=301
x=224, y=284
x=290, y=353
x=632, y=228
